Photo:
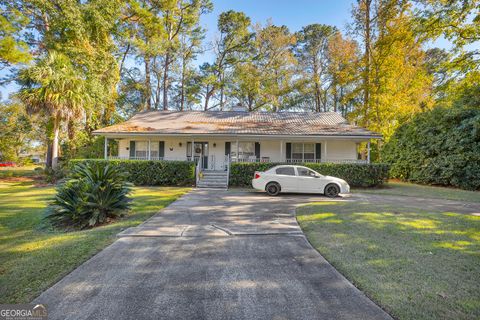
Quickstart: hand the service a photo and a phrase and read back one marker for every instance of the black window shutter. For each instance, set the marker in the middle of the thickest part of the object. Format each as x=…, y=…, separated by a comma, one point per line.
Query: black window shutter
x=318, y=151
x=132, y=149
x=289, y=151
x=227, y=148
x=161, y=149
x=257, y=150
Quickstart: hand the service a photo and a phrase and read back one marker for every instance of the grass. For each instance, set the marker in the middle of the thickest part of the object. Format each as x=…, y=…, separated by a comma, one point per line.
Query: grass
x=410, y=189
x=26, y=171
x=32, y=258
x=414, y=263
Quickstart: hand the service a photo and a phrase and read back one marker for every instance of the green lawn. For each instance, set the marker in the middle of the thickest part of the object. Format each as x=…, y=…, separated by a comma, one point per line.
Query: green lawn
x=32, y=259
x=26, y=171
x=416, y=190
x=415, y=264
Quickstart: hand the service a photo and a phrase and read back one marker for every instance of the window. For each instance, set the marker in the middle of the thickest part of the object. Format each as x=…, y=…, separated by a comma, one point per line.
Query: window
x=286, y=171
x=303, y=151
x=304, y=172
x=154, y=149
x=141, y=149
x=246, y=150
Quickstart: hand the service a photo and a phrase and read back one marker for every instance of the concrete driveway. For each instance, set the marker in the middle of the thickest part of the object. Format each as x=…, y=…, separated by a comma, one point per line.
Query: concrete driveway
x=212, y=254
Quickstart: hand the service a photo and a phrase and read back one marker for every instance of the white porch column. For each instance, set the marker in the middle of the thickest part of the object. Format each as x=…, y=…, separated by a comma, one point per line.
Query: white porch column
x=192, y=155
x=326, y=155
x=105, y=151
x=238, y=158
x=149, y=149
x=281, y=151
x=368, y=151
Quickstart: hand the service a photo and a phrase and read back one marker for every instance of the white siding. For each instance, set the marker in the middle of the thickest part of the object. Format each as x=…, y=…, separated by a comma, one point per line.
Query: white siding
x=275, y=150
x=341, y=150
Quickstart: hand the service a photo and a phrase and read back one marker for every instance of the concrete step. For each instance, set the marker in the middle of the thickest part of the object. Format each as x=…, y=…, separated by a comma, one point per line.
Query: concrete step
x=214, y=179
x=212, y=186
x=214, y=174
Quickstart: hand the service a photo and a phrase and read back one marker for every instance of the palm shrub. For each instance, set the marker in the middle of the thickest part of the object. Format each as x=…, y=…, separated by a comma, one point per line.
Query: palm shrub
x=93, y=193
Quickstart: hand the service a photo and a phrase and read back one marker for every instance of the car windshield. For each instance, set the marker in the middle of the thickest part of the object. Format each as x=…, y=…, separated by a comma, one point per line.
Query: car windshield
x=305, y=172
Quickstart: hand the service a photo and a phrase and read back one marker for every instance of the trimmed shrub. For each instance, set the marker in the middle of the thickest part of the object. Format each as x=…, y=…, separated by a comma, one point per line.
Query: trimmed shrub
x=440, y=147
x=93, y=193
x=357, y=175
x=151, y=173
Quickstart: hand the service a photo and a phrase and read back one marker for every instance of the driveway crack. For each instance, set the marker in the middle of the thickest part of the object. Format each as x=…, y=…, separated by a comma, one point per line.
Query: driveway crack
x=222, y=229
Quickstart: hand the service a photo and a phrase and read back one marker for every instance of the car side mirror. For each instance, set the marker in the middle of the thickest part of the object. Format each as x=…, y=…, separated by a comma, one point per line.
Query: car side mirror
x=315, y=176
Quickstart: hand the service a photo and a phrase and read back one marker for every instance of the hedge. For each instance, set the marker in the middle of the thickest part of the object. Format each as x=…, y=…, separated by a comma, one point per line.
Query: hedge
x=152, y=172
x=439, y=147
x=357, y=175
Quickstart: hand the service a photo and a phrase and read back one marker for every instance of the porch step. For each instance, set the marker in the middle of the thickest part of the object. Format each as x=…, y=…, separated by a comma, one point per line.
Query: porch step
x=213, y=179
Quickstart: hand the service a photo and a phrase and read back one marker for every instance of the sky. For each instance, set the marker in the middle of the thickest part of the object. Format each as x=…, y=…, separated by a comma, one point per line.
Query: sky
x=292, y=13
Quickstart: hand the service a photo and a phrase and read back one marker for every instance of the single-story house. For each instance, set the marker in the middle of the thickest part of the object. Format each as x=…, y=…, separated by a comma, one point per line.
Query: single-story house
x=220, y=137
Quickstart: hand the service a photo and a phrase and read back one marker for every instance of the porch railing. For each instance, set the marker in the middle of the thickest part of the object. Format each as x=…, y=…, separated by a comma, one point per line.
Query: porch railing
x=226, y=164
x=198, y=170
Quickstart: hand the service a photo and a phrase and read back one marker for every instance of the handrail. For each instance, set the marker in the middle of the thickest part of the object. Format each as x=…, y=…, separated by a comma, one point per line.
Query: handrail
x=197, y=171
x=227, y=158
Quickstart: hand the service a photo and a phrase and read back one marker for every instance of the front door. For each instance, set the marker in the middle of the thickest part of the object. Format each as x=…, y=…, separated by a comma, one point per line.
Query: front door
x=200, y=151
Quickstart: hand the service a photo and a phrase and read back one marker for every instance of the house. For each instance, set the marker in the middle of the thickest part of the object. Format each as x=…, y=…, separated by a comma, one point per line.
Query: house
x=216, y=138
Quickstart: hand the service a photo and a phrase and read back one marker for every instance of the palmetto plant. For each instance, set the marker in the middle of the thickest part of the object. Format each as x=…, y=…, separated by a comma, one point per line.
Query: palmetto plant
x=94, y=193
x=53, y=87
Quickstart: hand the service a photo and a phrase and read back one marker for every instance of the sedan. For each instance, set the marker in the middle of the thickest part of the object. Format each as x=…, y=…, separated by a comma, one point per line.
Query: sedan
x=299, y=179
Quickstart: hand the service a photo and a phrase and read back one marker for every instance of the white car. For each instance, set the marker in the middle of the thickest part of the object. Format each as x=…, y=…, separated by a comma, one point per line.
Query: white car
x=288, y=178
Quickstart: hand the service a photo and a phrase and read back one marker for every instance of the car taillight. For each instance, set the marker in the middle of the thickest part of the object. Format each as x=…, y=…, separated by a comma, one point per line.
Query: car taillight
x=257, y=176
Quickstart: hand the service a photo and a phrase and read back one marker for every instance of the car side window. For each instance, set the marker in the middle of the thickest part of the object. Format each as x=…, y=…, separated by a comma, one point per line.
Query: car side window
x=286, y=171
x=304, y=172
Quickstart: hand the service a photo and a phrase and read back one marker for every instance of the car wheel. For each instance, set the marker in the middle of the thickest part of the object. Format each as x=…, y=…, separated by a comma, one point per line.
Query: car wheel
x=272, y=188
x=332, y=190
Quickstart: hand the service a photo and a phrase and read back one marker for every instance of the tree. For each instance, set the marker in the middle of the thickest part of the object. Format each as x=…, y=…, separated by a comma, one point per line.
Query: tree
x=53, y=88
x=276, y=64
x=440, y=146
x=459, y=22
x=396, y=84
x=181, y=17
x=16, y=131
x=13, y=49
x=343, y=61
x=235, y=37
x=311, y=51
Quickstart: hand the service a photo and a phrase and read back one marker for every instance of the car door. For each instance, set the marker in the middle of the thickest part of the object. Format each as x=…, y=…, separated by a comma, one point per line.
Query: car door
x=287, y=178
x=309, y=181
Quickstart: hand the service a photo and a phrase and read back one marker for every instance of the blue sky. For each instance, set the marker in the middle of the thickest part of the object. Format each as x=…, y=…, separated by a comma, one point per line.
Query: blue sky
x=292, y=13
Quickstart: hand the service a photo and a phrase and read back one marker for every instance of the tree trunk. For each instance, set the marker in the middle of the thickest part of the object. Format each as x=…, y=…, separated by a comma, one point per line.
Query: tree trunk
x=56, y=133
x=148, y=87
x=165, y=81
x=207, y=98
x=221, y=90
x=367, y=61
x=48, y=159
x=182, y=87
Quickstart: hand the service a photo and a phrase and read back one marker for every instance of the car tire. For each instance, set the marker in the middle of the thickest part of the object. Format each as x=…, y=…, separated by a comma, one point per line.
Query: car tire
x=272, y=188
x=331, y=190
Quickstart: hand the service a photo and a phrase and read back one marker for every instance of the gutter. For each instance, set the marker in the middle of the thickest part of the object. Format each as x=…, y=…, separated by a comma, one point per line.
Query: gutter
x=289, y=136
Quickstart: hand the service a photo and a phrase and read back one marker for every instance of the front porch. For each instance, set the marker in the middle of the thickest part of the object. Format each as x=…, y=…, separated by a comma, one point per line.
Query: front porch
x=216, y=153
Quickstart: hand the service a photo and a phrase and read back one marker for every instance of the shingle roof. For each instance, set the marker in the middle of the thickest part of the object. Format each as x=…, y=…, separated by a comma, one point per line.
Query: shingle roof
x=238, y=123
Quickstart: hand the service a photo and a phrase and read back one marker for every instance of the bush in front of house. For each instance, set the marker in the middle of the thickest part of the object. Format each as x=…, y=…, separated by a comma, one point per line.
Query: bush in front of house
x=357, y=175
x=93, y=193
x=440, y=147
x=152, y=172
